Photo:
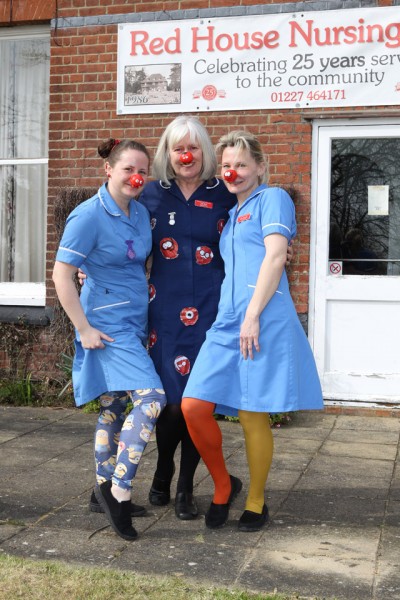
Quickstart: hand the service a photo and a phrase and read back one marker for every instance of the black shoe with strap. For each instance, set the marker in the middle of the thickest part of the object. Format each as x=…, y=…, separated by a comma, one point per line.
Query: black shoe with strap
x=217, y=514
x=136, y=509
x=118, y=513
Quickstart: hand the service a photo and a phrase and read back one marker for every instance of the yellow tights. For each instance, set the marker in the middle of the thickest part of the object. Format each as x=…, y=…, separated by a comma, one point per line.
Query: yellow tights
x=259, y=450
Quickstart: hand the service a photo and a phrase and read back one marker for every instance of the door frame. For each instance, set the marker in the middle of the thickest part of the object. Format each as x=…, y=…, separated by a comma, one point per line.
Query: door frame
x=322, y=125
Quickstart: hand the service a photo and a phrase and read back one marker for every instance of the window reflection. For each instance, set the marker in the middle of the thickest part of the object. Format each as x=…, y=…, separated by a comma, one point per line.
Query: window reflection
x=366, y=243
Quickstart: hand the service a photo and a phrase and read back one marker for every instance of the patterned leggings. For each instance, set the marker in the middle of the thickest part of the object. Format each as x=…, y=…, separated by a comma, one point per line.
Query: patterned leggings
x=120, y=440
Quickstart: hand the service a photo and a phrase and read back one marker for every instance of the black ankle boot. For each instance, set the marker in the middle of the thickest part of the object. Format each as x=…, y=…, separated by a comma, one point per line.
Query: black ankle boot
x=136, y=509
x=118, y=513
x=160, y=491
x=185, y=506
x=159, y=494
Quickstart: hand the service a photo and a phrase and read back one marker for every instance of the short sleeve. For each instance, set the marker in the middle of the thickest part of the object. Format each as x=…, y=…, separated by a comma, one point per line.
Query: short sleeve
x=277, y=213
x=79, y=237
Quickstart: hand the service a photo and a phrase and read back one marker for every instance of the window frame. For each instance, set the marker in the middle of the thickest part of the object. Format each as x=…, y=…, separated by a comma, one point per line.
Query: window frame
x=24, y=293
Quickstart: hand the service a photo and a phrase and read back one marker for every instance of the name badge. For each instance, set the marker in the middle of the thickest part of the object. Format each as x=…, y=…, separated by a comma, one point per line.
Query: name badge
x=246, y=217
x=203, y=204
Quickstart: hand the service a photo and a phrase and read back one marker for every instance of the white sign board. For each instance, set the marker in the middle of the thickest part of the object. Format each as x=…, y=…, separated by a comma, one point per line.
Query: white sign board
x=302, y=60
x=378, y=199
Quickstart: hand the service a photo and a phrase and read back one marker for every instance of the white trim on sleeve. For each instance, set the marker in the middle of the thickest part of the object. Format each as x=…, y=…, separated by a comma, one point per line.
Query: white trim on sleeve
x=72, y=251
x=275, y=224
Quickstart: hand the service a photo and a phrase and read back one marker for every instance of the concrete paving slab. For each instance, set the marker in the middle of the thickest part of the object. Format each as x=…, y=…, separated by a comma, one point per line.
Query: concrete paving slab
x=313, y=419
x=9, y=529
x=301, y=432
x=393, y=513
x=311, y=508
x=290, y=461
x=388, y=567
x=192, y=555
x=318, y=561
x=21, y=419
x=367, y=424
x=343, y=475
x=387, y=584
x=284, y=445
x=364, y=437
x=281, y=480
x=360, y=450
x=73, y=546
x=333, y=494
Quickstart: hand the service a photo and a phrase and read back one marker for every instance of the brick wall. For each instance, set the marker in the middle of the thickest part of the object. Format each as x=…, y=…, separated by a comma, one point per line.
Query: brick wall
x=26, y=12
x=82, y=112
x=83, y=82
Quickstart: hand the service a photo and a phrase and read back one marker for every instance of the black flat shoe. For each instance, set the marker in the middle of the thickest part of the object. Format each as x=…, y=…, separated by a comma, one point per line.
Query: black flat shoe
x=217, y=514
x=118, y=513
x=136, y=509
x=251, y=521
x=185, y=506
x=159, y=494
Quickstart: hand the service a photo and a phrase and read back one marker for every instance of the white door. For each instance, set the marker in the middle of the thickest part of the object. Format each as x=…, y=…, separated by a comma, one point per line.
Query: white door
x=354, y=320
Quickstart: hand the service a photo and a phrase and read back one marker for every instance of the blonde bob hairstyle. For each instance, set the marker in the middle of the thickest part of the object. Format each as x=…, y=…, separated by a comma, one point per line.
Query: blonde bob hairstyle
x=173, y=134
x=244, y=140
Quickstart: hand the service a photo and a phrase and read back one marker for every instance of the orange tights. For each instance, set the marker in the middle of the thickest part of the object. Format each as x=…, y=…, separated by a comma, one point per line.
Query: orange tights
x=206, y=435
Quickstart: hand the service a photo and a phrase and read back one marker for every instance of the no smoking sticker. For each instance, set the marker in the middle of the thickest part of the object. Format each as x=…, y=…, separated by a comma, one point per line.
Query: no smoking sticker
x=335, y=267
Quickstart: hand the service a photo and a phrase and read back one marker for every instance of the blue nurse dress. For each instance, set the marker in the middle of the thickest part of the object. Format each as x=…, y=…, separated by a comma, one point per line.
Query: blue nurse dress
x=186, y=275
x=282, y=376
x=112, y=249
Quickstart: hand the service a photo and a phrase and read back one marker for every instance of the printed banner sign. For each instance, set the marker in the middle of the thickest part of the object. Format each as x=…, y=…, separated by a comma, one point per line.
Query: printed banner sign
x=302, y=60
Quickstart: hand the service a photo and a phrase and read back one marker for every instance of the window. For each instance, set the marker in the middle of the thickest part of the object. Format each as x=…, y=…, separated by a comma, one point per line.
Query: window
x=24, y=107
x=365, y=207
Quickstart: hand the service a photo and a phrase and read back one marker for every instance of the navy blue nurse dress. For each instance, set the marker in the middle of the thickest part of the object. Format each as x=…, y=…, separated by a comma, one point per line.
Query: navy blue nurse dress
x=283, y=375
x=112, y=249
x=186, y=275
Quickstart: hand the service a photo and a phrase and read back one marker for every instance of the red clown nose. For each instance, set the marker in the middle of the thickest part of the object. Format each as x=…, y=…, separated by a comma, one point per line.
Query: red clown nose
x=230, y=175
x=136, y=180
x=186, y=158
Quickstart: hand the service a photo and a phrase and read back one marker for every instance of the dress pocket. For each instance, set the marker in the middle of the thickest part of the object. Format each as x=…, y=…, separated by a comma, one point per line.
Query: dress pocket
x=109, y=309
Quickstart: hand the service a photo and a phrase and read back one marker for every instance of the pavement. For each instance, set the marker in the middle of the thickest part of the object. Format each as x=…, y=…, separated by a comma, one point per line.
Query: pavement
x=333, y=495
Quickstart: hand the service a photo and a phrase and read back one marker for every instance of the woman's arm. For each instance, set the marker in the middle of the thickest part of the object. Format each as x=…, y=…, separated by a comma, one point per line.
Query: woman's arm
x=63, y=277
x=267, y=283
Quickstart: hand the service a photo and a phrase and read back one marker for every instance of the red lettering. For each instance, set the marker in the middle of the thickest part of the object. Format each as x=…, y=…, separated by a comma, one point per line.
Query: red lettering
x=136, y=41
x=240, y=41
x=271, y=39
x=306, y=36
x=140, y=43
x=351, y=34
x=173, y=43
x=223, y=42
x=257, y=39
x=156, y=46
x=209, y=38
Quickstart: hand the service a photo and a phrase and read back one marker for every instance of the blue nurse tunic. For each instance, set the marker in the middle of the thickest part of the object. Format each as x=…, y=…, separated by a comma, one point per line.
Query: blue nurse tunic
x=283, y=375
x=112, y=249
x=186, y=275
